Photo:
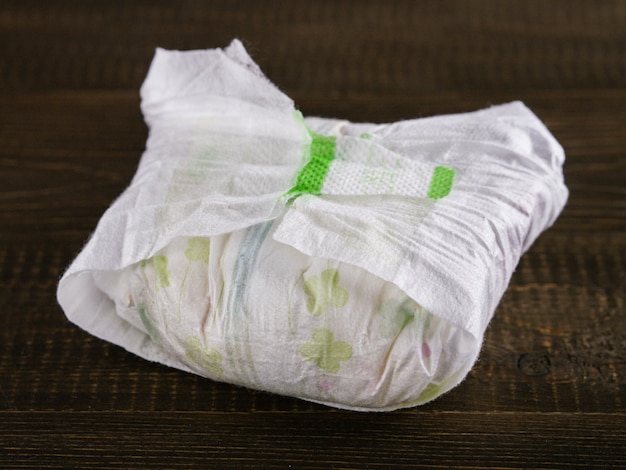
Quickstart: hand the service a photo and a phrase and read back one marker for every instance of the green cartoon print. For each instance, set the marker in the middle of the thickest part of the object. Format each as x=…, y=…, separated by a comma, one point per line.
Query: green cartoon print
x=144, y=315
x=162, y=271
x=323, y=291
x=206, y=357
x=324, y=351
x=198, y=249
x=396, y=315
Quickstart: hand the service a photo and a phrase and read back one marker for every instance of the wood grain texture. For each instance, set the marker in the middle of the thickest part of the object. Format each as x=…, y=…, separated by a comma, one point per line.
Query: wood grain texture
x=323, y=45
x=549, y=389
x=312, y=440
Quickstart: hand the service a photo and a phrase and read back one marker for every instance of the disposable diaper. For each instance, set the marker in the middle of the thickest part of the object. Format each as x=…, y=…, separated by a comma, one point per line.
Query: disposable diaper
x=355, y=265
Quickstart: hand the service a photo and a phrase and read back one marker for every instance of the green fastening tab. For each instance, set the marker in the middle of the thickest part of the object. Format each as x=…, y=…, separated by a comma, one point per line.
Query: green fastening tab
x=441, y=182
x=311, y=178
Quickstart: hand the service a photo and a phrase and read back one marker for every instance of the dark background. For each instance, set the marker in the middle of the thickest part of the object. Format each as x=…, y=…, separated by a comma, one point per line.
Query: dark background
x=549, y=390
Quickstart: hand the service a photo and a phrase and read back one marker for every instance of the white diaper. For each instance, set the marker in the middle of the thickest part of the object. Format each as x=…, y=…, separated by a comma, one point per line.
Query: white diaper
x=356, y=265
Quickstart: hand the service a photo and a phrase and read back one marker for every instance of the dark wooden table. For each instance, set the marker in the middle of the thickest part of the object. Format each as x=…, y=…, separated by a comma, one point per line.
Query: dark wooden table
x=549, y=390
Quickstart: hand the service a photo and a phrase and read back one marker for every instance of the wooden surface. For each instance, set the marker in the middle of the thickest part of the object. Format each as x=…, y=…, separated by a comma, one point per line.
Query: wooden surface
x=549, y=390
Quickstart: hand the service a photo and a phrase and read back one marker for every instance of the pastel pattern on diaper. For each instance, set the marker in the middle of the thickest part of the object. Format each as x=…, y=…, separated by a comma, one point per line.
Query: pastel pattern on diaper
x=324, y=291
x=324, y=351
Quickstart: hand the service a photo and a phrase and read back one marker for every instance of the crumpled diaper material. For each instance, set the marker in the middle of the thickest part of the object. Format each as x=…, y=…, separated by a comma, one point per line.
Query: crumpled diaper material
x=351, y=264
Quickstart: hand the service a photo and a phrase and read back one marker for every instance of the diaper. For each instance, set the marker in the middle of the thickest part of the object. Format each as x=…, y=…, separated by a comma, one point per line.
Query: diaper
x=351, y=264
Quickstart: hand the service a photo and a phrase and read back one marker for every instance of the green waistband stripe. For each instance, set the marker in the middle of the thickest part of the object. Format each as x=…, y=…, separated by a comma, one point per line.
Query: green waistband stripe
x=311, y=178
x=441, y=182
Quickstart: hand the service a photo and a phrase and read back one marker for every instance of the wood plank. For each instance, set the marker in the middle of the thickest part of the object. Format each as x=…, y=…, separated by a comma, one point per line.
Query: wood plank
x=319, y=45
x=312, y=440
x=549, y=389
